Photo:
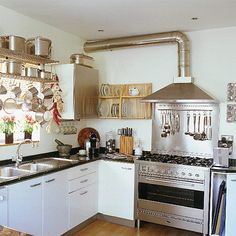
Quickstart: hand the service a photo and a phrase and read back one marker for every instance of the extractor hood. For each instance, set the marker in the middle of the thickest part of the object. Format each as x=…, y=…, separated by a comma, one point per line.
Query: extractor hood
x=182, y=90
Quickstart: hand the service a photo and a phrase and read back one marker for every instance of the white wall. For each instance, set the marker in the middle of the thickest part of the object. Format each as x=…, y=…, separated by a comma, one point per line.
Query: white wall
x=213, y=64
x=64, y=44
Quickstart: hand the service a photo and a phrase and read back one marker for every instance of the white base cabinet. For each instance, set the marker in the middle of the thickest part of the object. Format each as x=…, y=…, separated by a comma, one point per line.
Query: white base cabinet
x=116, y=189
x=3, y=206
x=39, y=206
x=230, y=213
x=82, y=193
x=25, y=206
x=55, y=207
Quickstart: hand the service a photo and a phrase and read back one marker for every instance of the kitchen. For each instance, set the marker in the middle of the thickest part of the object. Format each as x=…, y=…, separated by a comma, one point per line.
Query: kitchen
x=212, y=63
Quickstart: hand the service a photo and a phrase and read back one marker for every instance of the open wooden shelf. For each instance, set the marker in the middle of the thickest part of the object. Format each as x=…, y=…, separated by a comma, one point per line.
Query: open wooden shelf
x=116, y=102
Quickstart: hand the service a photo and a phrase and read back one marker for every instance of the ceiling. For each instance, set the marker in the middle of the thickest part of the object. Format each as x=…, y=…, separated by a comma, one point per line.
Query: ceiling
x=127, y=17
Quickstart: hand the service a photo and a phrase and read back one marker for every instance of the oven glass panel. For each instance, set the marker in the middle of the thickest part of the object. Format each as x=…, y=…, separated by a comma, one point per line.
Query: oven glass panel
x=172, y=195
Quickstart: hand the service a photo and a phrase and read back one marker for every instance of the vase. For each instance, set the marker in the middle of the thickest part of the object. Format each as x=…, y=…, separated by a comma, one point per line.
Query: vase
x=8, y=138
x=28, y=135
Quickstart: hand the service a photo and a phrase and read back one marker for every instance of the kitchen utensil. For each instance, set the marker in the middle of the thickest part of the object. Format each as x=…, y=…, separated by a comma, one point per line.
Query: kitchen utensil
x=82, y=152
x=10, y=105
x=39, y=46
x=194, y=124
x=198, y=136
x=11, y=67
x=133, y=91
x=209, y=128
x=188, y=122
x=64, y=150
x=126, y=145
x=82, y=59
x=1, y=104
x=45, y=74
x=104, y=109
x=13, y=42
x=59, y=142
x=84, y=134
x=43, y=117
x=3, y=90
x=37, y=103
x=203, y=134
x=16, y=91
x=31, y=72
x=34, y=91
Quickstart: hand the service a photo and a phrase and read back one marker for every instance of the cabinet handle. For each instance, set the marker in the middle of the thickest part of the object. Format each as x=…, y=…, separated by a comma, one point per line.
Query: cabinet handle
x=83, y=193
x=50, y=180
x=84, y=169
x=126, y=168
x=1, y=198
x=84, y=181
x=233, y=180
x=35, y=185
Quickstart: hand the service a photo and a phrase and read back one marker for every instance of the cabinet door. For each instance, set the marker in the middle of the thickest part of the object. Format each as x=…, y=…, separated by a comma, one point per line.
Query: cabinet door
x=231, y=205
x=65, y=74
x=25, y=206
x=3, y=206
x=116, y=189
x=82, y=204
x=55, y=207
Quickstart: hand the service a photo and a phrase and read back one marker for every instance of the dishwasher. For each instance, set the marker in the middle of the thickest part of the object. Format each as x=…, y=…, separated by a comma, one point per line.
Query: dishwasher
x=3, y=206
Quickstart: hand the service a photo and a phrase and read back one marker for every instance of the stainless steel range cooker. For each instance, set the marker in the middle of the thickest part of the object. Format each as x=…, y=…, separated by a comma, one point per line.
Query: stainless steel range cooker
x=173, y=190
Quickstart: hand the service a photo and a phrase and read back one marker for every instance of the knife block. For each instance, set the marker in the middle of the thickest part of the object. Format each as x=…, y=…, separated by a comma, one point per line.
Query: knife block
x=126, y=145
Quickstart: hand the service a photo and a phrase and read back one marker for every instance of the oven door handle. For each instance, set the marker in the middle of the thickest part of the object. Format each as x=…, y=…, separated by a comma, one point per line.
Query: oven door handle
x=171, y=183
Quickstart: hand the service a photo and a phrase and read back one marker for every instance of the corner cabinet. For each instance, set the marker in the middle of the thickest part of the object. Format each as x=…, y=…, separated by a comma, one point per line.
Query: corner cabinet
x=124, y=101
x=80, y=91
x=116, y=189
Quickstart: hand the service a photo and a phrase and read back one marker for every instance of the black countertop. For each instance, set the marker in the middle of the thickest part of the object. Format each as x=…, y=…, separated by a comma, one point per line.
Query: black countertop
x=45, y=155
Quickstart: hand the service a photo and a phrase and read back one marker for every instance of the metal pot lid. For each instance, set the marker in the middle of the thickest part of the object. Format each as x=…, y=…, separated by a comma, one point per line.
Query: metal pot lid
x=39, y=38
x=80, y=55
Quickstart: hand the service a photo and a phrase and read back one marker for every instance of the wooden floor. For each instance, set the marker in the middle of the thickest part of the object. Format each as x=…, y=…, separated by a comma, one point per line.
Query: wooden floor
x=103, y=228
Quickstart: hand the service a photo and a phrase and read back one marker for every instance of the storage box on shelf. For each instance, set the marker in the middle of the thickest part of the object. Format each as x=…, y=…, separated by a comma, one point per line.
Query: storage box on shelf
x=123, y=101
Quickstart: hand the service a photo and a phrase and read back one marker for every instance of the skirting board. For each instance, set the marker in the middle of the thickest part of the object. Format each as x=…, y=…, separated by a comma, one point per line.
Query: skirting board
x=80, y=226
x=116, y=220
x=112, y=219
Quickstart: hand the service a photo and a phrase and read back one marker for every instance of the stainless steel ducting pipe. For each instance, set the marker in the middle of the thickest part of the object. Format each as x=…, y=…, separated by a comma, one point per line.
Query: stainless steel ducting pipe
x=146, y=40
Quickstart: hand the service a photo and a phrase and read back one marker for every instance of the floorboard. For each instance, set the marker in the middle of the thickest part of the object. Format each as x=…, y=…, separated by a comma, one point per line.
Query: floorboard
x=103, y=228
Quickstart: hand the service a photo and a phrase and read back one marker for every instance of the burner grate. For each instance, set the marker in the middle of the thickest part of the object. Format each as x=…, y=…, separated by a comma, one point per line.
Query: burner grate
x=174, y=159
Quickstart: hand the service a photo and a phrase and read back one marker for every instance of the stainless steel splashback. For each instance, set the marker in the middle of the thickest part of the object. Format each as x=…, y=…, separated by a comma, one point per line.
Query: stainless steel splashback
x=181, y=143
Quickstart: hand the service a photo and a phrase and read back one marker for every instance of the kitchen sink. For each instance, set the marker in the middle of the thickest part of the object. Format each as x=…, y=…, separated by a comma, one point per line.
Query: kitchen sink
x=35, y=167
x=12, y=172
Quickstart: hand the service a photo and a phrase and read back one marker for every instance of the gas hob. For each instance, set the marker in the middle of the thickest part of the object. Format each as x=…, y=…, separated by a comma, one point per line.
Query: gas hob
x=174, y=159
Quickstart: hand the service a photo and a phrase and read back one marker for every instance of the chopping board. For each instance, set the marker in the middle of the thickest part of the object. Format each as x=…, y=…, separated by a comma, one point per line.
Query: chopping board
x=85, y=133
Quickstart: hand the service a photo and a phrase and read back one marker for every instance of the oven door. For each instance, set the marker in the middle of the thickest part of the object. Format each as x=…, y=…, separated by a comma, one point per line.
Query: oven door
x=171, y=192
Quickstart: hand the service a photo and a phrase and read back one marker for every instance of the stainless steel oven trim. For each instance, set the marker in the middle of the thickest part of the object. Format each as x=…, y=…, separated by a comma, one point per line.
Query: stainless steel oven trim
x=171, y=220
x=172, y=183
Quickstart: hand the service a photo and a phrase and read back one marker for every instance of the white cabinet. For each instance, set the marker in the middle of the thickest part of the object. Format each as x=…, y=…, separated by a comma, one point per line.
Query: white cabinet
x=25, y=206
x=55, y=207
x=3, y=206
x=39, y=206
x=228, y=212
x=80, y=90
x=82, y=193
x=116, y=189
x=230, y=227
